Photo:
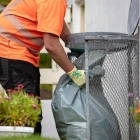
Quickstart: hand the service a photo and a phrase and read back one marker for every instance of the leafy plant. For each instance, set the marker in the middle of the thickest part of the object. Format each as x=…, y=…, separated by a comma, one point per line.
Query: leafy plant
x=135, y=109
x=19, y=108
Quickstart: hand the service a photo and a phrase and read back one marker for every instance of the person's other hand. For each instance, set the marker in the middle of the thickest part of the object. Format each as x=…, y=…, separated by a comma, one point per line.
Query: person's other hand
x=78, y=76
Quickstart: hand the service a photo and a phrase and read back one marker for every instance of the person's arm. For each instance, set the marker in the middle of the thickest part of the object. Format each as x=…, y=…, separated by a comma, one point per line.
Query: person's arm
x=50, y=16
x=56, y=51
x=65, y=31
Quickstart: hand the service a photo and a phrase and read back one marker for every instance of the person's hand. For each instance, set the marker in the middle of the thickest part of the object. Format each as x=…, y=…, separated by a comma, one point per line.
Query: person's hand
x=78, y=76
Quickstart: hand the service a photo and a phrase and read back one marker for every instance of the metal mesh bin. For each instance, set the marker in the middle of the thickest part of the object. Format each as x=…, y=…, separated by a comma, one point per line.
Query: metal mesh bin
x=121, y=73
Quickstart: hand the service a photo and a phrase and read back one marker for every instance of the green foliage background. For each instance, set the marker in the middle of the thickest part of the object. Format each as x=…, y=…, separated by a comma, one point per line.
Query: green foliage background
x=46, y=86
x=45, y=61
x=4, y=2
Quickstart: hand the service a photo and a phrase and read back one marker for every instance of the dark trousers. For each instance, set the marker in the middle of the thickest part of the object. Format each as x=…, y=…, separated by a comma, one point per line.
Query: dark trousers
x=15, y=72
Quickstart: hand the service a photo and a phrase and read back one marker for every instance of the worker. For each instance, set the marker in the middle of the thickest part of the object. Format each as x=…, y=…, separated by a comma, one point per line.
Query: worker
x=26, y=26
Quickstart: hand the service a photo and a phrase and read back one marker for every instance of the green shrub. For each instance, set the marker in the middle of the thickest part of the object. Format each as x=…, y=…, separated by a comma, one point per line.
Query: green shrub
x=19, y=108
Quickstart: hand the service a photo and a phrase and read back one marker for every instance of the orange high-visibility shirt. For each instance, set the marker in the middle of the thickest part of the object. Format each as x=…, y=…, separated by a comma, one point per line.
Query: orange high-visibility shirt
x=22, y=24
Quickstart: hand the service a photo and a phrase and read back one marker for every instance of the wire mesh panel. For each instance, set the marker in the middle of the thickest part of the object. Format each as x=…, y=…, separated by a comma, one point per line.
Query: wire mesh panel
x=121, y=76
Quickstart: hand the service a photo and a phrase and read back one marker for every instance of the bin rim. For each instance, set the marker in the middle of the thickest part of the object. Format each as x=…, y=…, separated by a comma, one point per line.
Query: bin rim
x=77, y=40
x=81, y=37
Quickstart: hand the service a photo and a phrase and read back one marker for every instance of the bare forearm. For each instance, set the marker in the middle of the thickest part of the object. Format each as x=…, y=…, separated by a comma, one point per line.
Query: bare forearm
x=59, y=56
x=57, y=53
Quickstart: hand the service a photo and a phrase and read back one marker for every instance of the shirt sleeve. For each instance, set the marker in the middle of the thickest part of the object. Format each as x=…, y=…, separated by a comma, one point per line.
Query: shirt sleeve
x=50, y=16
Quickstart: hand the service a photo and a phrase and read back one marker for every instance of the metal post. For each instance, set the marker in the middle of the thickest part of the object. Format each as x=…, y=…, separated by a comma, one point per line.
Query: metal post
x=87, y=88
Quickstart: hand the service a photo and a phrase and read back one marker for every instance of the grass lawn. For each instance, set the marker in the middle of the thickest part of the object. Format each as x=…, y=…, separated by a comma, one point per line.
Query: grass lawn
x=33, y=137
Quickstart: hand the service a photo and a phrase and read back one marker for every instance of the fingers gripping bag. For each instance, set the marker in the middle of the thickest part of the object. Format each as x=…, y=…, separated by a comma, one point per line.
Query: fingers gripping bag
x=69, y=105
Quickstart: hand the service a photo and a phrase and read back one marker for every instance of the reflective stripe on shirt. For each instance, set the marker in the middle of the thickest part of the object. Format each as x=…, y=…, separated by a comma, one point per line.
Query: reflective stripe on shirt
x=37, y=41
x=9, y=36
